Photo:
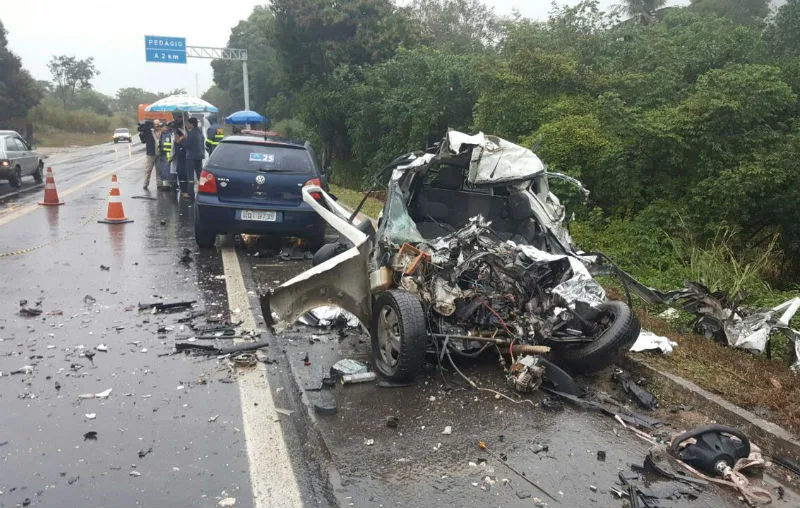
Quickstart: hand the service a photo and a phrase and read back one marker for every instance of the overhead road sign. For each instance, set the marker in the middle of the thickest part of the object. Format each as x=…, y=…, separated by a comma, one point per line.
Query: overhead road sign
x=165, y=49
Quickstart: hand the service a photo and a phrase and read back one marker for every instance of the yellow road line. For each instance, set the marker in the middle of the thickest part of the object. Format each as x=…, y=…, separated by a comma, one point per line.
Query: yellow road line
x=25, y=210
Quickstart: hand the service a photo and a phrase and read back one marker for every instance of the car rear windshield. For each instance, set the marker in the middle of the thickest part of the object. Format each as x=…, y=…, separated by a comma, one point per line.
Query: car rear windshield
x=120, y=131
x=258, y=157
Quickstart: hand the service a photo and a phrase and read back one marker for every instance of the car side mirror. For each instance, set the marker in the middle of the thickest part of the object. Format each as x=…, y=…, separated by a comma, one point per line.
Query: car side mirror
x=327, y=172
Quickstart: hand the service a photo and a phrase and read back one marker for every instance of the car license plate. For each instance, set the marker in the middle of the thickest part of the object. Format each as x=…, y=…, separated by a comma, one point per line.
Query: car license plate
x=258, y=215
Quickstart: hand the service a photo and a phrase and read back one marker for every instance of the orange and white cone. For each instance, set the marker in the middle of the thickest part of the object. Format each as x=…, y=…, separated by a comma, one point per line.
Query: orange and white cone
x=50, y=192
x=115, y=214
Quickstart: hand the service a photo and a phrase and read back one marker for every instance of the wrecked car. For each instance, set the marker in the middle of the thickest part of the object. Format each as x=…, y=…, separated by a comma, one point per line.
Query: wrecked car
x=470, y=254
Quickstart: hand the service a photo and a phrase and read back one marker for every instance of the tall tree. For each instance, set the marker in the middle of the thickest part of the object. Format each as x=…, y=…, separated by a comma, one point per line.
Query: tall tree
x=741, y=12
x=314, y=37
x=70, y=74
x=18, y=90
x=459, y=26
x=128, y=99
x=641, y=11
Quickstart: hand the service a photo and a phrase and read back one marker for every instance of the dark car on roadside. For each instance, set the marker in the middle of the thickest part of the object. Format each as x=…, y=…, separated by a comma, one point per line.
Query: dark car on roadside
x=253, y=185
x=17, y=159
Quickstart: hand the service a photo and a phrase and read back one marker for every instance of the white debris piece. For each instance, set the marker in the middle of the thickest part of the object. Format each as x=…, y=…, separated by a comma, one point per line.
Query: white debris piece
x=369, y=442
x=670, y=315
x=104, y=394
x=447, y=430
x=90, y=416
x=101, y=347
x=649, y=341
x=228, y=501
x=134, y=473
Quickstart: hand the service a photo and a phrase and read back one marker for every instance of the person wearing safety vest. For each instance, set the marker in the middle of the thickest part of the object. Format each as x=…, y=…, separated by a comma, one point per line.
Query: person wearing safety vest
x=214, y=135
x=164, y=156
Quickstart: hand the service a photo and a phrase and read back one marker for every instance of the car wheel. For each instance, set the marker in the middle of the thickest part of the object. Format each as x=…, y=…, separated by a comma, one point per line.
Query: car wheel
x=622, y=328
x=38, y=175
x=205, y=238
x=115, y=141
x=399, y=335
x=16, y=178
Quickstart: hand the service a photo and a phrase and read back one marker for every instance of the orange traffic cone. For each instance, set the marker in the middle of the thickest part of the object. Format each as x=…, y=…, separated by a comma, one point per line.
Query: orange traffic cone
x=115, y=213
x=50, y=192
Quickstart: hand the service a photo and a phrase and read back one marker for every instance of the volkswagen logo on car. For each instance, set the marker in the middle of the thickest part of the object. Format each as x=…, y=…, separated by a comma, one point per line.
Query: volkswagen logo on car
x=260, y=179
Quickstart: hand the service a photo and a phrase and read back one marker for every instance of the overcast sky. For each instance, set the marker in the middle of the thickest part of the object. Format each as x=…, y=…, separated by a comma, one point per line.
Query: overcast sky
x=113, y=33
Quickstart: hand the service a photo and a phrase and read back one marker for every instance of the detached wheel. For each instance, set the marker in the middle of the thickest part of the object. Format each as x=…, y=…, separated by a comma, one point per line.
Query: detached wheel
x=15, y=180
x=399, y=335
x=205, y=238
x=38, y=175
x=621, y=328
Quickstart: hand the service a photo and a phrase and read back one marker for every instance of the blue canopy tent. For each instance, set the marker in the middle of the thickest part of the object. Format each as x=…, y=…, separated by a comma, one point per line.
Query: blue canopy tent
x=245, y=117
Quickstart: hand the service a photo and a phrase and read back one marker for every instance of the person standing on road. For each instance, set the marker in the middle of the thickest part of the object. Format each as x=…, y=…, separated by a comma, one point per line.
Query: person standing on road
x=180, y=163
x=150, y=143
x=214, y=135
x=163, y=157
x=195, y=151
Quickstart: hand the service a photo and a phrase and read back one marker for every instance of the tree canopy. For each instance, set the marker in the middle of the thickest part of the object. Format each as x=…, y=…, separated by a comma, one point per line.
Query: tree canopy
x=693, y=110
x=19, y=92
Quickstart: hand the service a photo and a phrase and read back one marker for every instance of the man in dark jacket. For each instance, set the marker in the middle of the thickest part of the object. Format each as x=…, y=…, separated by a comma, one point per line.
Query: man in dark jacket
x=150, y=151
x=195, y=151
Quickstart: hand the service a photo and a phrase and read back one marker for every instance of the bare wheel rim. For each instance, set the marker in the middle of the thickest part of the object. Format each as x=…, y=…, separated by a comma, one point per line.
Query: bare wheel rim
x=389, y=336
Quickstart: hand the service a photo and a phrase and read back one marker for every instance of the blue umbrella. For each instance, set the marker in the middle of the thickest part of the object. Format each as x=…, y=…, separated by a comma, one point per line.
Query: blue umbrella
x=245, y=117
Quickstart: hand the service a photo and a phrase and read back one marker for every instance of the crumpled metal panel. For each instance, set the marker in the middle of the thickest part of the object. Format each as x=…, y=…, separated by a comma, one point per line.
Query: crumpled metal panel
x=342, y=280
x=495, y=160
x=581, y=289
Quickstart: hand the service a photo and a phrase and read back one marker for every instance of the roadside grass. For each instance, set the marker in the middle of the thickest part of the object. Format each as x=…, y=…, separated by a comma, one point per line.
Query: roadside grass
x=372, y=207
x=59, y=138
x=767, y=387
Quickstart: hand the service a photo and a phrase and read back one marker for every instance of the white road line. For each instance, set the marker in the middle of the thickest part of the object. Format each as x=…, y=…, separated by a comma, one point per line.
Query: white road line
x=25, y=210
x=271, y=474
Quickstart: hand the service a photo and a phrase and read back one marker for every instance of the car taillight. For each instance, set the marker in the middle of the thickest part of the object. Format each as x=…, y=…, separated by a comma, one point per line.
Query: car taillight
x=317, y=182
x=207, y=183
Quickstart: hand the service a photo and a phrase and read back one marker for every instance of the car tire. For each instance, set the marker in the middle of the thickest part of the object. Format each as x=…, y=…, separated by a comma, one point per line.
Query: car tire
x=115, y=141
x=399, y=335
x=617, y=339
x=15, y=180
x=38, y=175
x=205, y=238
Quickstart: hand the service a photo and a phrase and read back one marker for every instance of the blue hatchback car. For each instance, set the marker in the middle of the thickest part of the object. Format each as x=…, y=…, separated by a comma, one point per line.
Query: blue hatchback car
x=253, y=185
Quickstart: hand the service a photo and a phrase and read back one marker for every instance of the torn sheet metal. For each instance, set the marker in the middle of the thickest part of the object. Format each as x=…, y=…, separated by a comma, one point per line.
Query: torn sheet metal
x=342, y=280
x=581, y=288
x=495, y=160
x=649, y=341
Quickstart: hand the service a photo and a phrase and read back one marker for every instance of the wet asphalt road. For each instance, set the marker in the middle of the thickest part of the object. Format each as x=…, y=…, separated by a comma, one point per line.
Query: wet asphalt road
x=163, y=403
x=188, y=410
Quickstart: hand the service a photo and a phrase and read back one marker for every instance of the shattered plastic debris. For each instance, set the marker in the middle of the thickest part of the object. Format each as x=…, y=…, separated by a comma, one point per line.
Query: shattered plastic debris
x=447, y=430
x=649, y=341
x=369, y=442
x=102, y=348
x=30, y=311
x=90, y=416
x=349, y=366
x=228, y=501
x=328, y=316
